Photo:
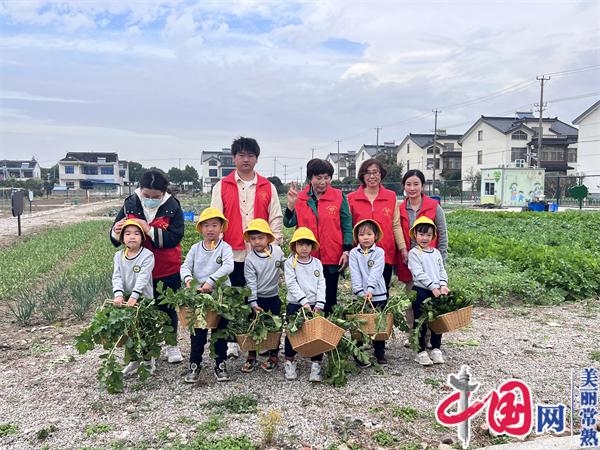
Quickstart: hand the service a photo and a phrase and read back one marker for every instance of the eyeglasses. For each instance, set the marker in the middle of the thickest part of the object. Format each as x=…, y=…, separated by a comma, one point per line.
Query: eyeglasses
x=373, y=174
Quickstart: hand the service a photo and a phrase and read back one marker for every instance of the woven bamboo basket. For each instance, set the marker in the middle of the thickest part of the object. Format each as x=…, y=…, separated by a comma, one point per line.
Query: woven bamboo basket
x=316, y=336
x=247, y=344
x=369, y=326
x=452, y=321
x=185, y=314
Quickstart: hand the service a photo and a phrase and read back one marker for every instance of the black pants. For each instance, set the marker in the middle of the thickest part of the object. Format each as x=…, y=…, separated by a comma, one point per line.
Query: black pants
x=387, y=275
x=436, y=339
x=199, y=339
x=237, y=277
x=378, y=346
x=269, y=304
x=173, y=282
x=289, y=351
x=330, y=271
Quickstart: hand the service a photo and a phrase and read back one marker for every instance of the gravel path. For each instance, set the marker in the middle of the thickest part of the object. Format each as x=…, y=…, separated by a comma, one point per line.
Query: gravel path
x=45, y=384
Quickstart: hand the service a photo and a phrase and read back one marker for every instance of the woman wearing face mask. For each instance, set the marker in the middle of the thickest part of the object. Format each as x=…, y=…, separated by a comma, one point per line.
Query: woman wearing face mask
x=325, y=211
x=161, y=217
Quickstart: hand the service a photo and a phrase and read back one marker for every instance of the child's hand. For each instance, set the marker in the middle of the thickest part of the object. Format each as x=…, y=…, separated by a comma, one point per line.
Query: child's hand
x=368, y=296
x=131, y=302
x=118, y=301
x=317, y=310
x=258, y=309
x=143, y=224
x=436, y=292
x=307, y=306
x=292, y=196
x=445, y=290
x=188, y=283
x=207, y=287
x=119, y=226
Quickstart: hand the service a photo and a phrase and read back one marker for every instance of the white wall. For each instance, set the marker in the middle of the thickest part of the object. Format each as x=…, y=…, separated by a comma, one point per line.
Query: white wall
x=588, y=150
x=494, y=145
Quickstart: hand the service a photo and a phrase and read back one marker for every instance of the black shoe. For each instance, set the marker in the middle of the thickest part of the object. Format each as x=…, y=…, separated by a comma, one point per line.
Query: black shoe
x=382, y=361
x=361, y=364
x=193, y=375
x=221, y=372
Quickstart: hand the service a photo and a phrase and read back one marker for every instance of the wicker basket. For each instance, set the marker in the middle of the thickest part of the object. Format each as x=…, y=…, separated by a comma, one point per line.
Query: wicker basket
x=369, y=326
x=452, y=321
x=185, y=314
x=120, y=343
x=247, y=344
x=316, y=336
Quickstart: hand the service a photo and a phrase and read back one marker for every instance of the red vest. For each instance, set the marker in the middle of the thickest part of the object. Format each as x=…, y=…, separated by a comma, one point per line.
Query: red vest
x=382, y=211
x=230, y=197
x=165, y=259
x=327, y=228
x=428, y=209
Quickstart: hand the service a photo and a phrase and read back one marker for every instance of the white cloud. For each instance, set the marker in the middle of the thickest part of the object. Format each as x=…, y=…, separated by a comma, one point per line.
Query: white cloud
x=25, y=96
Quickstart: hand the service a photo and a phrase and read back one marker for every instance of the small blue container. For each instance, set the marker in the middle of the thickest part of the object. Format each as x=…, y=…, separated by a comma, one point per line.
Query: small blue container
x=552, y=207
x=188, y=215
x=437, y=198
x=536, y=206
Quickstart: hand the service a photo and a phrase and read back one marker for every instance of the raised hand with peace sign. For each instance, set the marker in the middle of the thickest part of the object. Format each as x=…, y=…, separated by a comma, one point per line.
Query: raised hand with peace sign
x=292, y=196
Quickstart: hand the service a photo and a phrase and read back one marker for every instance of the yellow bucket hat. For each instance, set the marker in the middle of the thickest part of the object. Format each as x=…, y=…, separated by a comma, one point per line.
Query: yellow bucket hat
x=261, y=226
x=211, y=213
x=306, y=234
x=128, y=223
x=420, y=220
x=357, y=226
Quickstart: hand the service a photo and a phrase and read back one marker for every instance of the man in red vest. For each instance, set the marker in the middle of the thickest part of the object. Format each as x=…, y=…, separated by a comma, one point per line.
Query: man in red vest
x=244, y=195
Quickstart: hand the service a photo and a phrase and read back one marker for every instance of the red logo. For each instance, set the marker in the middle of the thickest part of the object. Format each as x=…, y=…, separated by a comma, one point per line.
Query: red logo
x=332, y=210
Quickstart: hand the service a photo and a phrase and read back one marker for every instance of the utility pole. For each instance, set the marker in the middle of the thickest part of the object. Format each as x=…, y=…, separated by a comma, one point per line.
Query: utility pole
x=540, y=130
x=434, y=147
x=338, y=159
x=301, y=179
x=313, y=153
x=377, y=141
x=275, y=166
x=179, y=163
x=285, y=173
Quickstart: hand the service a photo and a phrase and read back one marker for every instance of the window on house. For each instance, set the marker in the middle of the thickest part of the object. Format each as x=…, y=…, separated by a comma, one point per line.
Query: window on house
x=449, y=146
x=69, y=169
x=225, y=172
x=107, y=170
x=122, y=173
x=213, y=173
x=518, y=153
x=407, y=164
x=480, y=135
x=101, y=160
x=28, y=174
x=90, y=170
x=430, y=150
x=553, y=155
x=572, y=155
x=70, y=184
x=212, y=162
x=489, y=188
x=536, y=130
x=519, y=136
x=342, y=163
x=430, y=163
x=343, y=173
x=479, y=156
x=452, y=163
x=25, y=165
x=407, y=148
x=227, y=161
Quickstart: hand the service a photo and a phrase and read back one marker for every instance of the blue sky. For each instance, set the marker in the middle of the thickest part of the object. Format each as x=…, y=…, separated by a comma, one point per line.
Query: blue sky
x=157, y=81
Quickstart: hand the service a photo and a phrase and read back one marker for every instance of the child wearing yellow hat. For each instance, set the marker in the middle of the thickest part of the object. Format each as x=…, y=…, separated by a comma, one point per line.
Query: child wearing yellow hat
x=430, y=279
x=132, y=276
x=305, y=289
x=206, y=262
x=262, y=269
x=367, y=262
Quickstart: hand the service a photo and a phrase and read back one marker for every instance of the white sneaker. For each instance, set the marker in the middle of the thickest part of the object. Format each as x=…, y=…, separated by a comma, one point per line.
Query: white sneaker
x=316, y=373
x=423, y=359
x=406, y=343
x=131, y=369
x=151, y=366
x=233, y=350
x=290, y=370
x=173, y=354
x=437, y=357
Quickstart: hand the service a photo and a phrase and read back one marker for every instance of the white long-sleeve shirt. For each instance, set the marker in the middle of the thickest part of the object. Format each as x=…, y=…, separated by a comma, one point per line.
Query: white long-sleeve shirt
x=207, y=265
x=133, y=274
x=427, y=268
x=366, y=272
x=305, y=282
x=262, y=271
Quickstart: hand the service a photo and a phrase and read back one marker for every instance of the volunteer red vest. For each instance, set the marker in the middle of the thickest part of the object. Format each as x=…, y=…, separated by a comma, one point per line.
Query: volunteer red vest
x=382, y=211
x=230, y=197
x=328, y=228
x=428, y=209
x=165, y=259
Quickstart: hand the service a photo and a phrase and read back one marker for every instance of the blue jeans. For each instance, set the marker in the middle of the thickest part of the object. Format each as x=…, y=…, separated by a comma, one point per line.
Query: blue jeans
x=199, y=339
x=436, y=339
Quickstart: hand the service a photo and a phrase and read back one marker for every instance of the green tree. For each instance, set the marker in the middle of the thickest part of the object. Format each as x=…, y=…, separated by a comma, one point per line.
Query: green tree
x=190, y=175
x=395, y=170
x=281, y=189
x=135, y=171
x=175, y=176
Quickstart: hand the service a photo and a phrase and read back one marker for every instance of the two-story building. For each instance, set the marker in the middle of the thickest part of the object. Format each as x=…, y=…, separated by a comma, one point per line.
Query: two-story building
x=368, y=151
x=416, y=151
x=513, y=142
x=215, y=165
x=92, y=170
x=22, y=170
x=588, y=146
x=346, y=165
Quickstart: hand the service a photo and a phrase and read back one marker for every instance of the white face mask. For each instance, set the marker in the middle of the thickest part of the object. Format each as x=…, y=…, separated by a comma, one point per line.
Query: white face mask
x=151, y=203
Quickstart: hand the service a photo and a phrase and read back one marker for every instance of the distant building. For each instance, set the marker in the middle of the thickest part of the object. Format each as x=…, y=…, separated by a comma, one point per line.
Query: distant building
x=215, y=165
x=91, y=170
x=22, y=170
x=346, y=167
x=589, y=146
x=368, y=151
x=417, y=152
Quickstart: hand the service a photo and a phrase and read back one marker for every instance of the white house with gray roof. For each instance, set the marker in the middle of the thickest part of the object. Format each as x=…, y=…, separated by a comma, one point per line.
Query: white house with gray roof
x=215, y=165
x=507, y=141
x=346, y=165
x=588, y=146
x=22, y=170
x=368, y=151
x=417, y=152
x=93, y=170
